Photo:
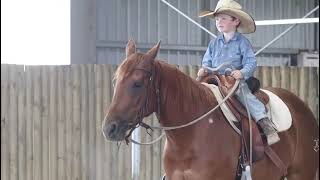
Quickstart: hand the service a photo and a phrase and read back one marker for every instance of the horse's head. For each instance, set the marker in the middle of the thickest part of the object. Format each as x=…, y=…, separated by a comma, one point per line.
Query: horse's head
x=133, y=91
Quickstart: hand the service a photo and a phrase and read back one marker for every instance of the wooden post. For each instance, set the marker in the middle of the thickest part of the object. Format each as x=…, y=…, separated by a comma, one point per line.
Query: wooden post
x=29, y=123
x=136, y=155
x=76, y=124
x=106, y=85
x=53, y=122
x=13, y=123
x=4, y=122
x=313, y=96
x=21, y=123
x=285, y=77
x=37, y=124
x=99, y=162
x=303, y=84
x=48, y=123
x=266, y=77
x=68, y=125
x=294, y=81
x=156, y=152
x=275, y=77
x=92, y=122
x=61, y=121
x=84, y=121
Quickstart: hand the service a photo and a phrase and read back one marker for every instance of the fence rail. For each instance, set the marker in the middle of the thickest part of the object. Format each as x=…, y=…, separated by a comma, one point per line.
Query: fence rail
x=51, y=119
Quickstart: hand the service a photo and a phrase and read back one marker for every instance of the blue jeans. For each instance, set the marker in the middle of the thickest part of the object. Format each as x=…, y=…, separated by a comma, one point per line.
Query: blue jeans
x=255, y=106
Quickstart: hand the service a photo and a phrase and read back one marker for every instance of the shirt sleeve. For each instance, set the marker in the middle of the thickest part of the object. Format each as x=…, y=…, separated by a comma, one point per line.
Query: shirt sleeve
x=249, y=61
x=207, y=58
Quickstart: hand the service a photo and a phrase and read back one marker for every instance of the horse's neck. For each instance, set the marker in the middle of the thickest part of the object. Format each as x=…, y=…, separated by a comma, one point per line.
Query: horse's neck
x=182, y=98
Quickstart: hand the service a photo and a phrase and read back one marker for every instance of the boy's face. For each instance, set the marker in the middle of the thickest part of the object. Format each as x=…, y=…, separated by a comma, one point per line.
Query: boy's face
x=226, y=23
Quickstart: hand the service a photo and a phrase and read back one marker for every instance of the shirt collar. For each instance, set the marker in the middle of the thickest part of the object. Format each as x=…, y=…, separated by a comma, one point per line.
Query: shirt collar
x=234, y=38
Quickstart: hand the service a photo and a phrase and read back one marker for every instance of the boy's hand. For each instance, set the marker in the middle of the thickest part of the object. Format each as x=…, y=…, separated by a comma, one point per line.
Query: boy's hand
x=236, y=74
x=202, y=72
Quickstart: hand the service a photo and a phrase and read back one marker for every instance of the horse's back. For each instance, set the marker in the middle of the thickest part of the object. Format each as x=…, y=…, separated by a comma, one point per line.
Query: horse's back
x=301, y=113
x=298, y=145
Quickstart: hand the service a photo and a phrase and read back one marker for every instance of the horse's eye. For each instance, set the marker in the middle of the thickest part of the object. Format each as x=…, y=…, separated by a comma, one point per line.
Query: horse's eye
x=137, y=84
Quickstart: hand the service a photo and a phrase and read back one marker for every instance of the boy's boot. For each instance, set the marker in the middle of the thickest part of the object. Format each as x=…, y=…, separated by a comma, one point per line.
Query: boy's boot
x=269, y=131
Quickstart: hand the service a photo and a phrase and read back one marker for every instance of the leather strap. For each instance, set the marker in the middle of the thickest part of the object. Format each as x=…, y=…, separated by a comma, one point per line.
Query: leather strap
x=276, y=160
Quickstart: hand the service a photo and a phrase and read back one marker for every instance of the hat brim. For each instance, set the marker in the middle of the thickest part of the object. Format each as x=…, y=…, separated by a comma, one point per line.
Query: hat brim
x=247, y=24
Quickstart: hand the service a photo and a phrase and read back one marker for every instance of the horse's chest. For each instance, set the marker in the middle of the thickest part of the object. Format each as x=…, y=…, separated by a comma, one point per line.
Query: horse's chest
x=198, y=174
x=193, y=168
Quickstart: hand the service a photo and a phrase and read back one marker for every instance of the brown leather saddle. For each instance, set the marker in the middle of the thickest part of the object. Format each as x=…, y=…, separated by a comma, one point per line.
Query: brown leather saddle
x=259, y=143
x=225, y=84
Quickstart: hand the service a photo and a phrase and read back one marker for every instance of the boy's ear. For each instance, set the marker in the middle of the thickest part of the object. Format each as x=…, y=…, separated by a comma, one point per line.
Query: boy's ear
x=238, y=21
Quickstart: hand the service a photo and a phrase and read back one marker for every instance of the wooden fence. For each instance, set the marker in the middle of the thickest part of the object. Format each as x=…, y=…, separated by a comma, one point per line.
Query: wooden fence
x=51, y=121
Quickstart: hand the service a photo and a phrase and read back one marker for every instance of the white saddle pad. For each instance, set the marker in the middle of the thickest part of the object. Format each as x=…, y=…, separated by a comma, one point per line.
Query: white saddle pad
x=278, y=112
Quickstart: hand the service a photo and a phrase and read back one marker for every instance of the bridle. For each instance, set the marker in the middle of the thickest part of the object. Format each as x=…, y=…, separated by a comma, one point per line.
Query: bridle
x=144, y=108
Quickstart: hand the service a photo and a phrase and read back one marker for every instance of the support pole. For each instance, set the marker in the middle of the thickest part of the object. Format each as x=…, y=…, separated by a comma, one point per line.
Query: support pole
x=135, y=152
x=287, y=21
x=203, y=28
x=284, y=32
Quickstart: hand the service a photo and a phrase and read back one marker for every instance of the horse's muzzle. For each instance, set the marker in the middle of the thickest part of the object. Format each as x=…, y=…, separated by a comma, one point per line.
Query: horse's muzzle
x=115, y=130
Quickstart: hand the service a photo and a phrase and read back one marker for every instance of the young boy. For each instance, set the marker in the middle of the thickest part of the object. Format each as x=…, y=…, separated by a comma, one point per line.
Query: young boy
x=232, y=46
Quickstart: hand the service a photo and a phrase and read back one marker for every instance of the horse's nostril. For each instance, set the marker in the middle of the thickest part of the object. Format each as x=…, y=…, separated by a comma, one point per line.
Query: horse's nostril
x=115, y=130
x=112, y=128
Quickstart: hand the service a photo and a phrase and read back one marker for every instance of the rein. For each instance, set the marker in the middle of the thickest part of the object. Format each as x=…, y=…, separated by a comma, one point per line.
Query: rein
x=166, y=128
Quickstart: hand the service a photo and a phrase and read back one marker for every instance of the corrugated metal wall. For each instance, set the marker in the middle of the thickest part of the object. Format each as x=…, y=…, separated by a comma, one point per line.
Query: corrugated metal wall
x=51, y=120
x=183, y=42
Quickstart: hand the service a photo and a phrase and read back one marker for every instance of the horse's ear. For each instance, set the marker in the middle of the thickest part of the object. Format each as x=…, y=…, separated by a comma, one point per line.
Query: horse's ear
x=152, y=53
x=131, y=48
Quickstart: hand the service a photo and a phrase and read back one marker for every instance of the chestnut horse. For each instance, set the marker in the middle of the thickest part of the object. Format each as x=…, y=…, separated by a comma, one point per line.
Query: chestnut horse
x=208, y=149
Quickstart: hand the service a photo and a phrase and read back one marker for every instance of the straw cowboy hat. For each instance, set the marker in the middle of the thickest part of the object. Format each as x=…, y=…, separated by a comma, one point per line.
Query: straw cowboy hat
x=232, y=8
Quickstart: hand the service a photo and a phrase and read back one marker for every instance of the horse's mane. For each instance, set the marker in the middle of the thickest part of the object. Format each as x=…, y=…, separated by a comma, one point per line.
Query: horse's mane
x=184, y=87
x=181, y=85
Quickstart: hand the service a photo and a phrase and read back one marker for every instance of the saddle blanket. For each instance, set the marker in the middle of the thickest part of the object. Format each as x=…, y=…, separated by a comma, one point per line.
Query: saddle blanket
x=278, y=111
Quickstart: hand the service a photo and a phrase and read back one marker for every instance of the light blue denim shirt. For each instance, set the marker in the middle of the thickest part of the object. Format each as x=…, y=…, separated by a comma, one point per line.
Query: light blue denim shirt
x=238, y=50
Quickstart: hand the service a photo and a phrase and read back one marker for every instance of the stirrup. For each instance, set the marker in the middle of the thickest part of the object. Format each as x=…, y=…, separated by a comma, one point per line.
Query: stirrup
x=273, y=138
x=269, y=131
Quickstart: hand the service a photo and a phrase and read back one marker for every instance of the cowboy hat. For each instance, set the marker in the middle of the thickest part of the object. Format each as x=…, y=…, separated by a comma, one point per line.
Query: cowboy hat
x=232, y=8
